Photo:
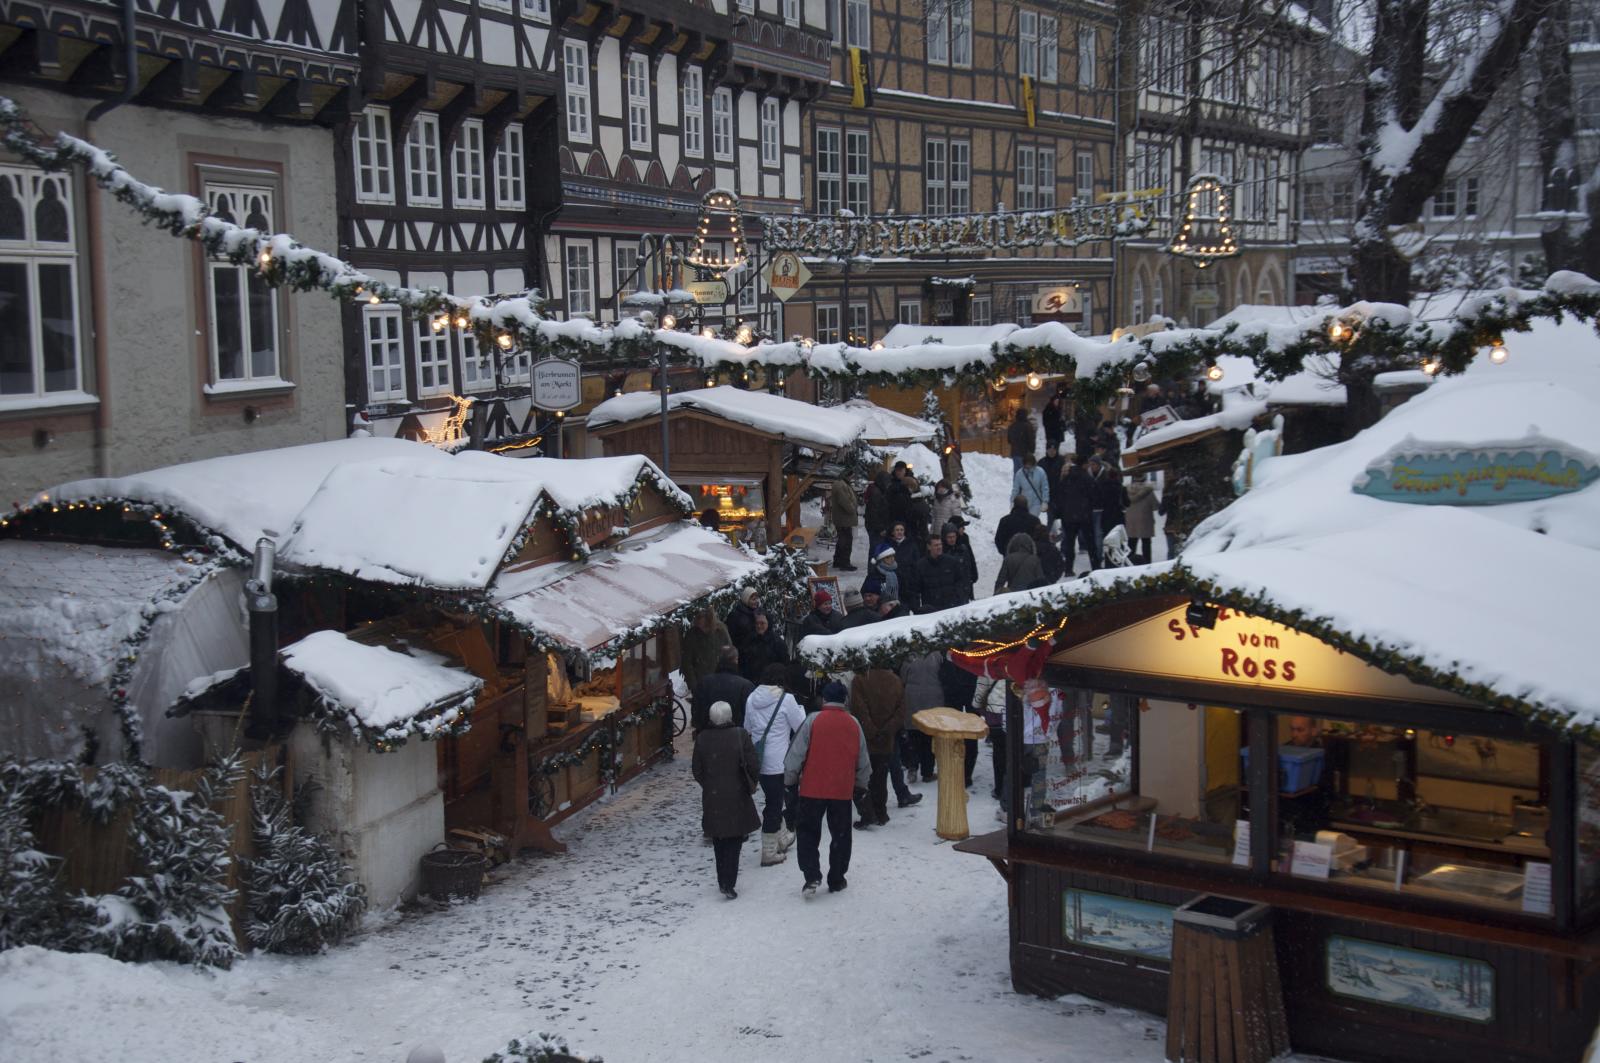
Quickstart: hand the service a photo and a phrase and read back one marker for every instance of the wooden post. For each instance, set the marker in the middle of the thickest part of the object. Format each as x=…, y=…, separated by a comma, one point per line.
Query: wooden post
x=950, y=730
x=775, y=492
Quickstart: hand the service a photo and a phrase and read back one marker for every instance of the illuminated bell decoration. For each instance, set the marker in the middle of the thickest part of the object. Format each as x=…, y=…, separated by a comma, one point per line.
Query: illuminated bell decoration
x=1205, y=237
x=715, y=203
x=1337, y=331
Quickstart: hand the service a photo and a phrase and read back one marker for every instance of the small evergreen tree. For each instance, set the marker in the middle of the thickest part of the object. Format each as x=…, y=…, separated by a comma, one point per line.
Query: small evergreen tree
x=298, y=899
x=30, y=905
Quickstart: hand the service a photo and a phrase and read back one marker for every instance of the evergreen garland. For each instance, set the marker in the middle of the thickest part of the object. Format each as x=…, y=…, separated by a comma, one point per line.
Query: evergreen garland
x=298, y=895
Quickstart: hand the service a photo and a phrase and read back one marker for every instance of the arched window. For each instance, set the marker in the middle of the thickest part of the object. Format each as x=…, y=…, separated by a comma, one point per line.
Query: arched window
x=1138, y=301
x=1158, y=298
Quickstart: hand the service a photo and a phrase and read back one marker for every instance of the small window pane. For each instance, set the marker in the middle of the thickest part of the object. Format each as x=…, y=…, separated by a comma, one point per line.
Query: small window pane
x=16, y=330
x=263, y=327
x=51, y=221
x=228, y=322
x=13, y=223
x=58, y=321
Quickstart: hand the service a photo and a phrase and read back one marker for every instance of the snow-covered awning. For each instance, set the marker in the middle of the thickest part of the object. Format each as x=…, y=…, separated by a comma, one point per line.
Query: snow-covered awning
x=950, y=335
x=615, y=593
x=822, y=427
x=883, y=426
x=380, y=694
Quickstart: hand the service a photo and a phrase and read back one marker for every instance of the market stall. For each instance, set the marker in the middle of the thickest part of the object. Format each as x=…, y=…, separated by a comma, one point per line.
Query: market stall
x=1362, y=698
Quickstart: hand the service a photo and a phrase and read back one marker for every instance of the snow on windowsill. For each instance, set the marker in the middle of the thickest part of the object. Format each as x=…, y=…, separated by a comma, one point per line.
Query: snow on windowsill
x=249, y=387
x=54, y=400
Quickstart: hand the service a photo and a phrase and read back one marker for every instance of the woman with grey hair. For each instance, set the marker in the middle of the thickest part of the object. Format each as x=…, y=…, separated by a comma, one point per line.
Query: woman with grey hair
x=728, y=772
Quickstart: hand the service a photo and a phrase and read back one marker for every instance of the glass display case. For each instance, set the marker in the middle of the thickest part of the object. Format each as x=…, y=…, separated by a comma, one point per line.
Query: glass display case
x=736, y=502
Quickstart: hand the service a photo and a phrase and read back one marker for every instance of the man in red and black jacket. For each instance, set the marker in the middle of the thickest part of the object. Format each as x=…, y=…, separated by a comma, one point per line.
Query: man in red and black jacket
x=828, y=762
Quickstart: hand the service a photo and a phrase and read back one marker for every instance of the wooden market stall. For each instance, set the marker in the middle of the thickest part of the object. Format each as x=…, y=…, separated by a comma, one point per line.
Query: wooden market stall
x=1363, y=698
x=733, y=451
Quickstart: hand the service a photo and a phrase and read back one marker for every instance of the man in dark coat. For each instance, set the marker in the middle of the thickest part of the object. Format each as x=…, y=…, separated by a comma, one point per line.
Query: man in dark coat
x=1052, y=463
x=939, y=578
x=1054, y=419
x=1018, y=520
x=703, y=642
x=878, y=702
x=876, y=505
x=823, y=619
x=1105, y=498
x=728, y=772
x=725, y=684
x=842, y=512
x=960, y=687
x=764, y=647
x=901, y=486
x=958, y=546
x=1075, y=507
x=1022, y=438
x=1020, y=571
x=828, y=764
x=1050, y=563
x=871, y=610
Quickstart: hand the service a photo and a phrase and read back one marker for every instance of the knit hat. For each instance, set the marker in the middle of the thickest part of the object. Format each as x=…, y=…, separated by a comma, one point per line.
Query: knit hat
x=834, y=693
x=873, y=584
x=822, y=598
x=748, y=596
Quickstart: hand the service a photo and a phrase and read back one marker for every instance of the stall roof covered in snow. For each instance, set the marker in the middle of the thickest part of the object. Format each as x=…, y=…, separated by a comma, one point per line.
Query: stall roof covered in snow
x=950, y=335
x=795, y=421
x=1487, y=601
x=881, y=425
x=586, y=605
x=380, y=692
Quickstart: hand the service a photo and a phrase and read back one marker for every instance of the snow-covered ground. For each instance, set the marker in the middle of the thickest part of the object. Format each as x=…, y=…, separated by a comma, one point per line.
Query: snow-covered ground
x=624, y=947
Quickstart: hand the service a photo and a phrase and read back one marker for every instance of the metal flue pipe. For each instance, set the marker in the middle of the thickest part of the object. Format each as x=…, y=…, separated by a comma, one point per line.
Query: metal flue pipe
x=263, y=608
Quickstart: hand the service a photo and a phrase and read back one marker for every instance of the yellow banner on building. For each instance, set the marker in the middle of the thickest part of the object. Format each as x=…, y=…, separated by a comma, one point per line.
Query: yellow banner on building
x=1027, y=98
x=860, y=79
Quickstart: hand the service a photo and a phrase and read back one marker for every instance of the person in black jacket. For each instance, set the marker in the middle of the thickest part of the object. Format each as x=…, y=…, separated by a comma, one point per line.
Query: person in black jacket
x=763, y=647
x=907, y=552
x=960, y=686
x=1054, y=419
x=725, y=684
x=1052, y=463
x=900, y=506
x=1075, y=507
x=1049, y=556
x=939, y=578
x=1018, y=520
x=741, y=619
x=958, y=546
x=823, y=619
x=1106, y=497
x=876, y=506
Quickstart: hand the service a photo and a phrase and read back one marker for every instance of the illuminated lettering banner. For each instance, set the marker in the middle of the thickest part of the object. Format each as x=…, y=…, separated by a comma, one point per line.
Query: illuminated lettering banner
x=1494, y=474
x=892, y=237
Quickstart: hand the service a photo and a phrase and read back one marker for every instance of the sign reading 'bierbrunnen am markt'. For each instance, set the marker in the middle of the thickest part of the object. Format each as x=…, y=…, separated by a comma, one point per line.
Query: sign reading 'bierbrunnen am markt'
x=1441, y=474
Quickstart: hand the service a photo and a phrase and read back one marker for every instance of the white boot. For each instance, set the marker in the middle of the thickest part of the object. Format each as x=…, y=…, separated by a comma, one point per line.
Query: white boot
x=770, y=853
x=785, y=839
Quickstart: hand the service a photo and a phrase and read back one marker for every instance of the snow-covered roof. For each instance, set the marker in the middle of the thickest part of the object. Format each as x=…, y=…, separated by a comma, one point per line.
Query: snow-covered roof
x=1489, y=601
x=379, y=693
x=797, y=422
x=951, y=335
x=245, y=496
x=606, y=598
x=1236, y=415
x=924, y=463
x=883, y=425
x=1312, y=386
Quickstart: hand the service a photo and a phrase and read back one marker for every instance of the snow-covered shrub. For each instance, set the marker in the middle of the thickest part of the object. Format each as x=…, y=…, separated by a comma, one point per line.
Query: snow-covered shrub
x=297, y=894
x=538, y=1048
x=30, y=903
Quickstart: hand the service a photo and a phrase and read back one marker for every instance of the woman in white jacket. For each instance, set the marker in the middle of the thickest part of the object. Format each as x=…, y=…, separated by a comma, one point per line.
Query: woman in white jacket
x=772, y=716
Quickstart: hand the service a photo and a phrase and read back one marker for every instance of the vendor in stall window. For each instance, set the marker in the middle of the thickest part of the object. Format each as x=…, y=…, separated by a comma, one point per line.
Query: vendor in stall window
x=1305, y=731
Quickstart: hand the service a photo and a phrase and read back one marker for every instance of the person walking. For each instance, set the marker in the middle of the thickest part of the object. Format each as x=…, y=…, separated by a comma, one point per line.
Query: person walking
x=1018, y=520
x=886, y=567
x=725, y=684
x=924, y=690
x=703, y=644
x=827, y=765
x=727, y=770
x=843, y=513
x=1075, y=507
x=772, y=716
x=1029, y=484
x=1054, y=420
x=1021, y=569
x=1105, y=496
x=960, y=688
x=989, y=698
x=1140, y=518
x=1022, y=437
x=741, y=618
x=1048, y=553
x=1052, y=465
x=877, y=701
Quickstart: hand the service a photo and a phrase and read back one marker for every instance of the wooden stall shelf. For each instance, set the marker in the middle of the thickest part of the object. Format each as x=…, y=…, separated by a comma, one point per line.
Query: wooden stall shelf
x=1224, y=997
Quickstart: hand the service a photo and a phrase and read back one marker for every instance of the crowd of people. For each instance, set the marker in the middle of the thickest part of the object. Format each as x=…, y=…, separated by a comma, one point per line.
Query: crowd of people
x=830, y=749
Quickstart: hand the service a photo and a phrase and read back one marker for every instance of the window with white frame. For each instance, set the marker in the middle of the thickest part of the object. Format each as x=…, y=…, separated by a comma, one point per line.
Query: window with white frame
x=857, y=184
x=694, y=112
x=1086, y=57
x=1342, y=199
x=829, y=172
x=909, y=312
x=860, y=327
x=1047, y=179
x=477, y=366
x=748, y=6
x=433, y=358
x=386, y=375
x=1256, y=207
x=1049, y=47
x=39, y=329
x=722, y=124
x=936, y=177
x=1158, y=298
x=639, y=101
x=467, y=164
x=1027, y=174
x=243, y=306
x=858, y=24
x=626, y=257
x=749, y=292
x=1085, y=326
x=1444, y=200
x=424, y=186
x=496, y=5
x=517, y=368
x=575, y=72
x=981, y=310
x=373, y=154
x=1083, y=177
x=1164, y=56
x=1138, y=301
x=1022, y=309
x=538, y=10
x=827, y=324
x=771, y=139
x=791, y=12
x=508, y=170
x=949, y=33
x=1469, y=197
x=960, y=177
x=580, y=281
x=1028, y=43
x=1152, y=165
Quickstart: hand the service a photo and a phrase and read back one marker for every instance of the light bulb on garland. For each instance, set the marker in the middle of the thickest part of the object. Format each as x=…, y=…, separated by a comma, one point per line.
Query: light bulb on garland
x=1213, y=372
x=1035, y=382
x=1498, y=353
x=1336, y=331
x=504, y=340
x=669, y=321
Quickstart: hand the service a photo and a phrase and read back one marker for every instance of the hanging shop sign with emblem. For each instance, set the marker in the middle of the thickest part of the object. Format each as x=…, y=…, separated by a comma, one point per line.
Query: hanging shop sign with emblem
x=1062, y=303
x=557, y=384
x=785, y=274
x=1439, y=474
x=708, y=293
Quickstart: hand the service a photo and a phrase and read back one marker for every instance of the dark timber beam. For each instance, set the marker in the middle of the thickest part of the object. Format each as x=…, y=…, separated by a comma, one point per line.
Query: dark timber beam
x=454, y=112
x=292, y=101
x=35, y=53
x=100, y=69
x=241, y=91
x=404, y=107
x=177, y=82
x=501, y=115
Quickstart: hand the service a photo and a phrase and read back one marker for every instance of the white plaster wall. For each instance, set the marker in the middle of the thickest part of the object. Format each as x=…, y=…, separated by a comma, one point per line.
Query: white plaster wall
x=608, y=79
x=156, y=361
x=668, y=96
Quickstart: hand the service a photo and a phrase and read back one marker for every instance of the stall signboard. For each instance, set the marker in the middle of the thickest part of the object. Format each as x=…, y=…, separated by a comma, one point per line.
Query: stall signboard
x=1159, y=417
x=1242, y=650
x=785, y=274
x=1064, y=303
x=1440, y=474
x=557, y=384
x=708, y=293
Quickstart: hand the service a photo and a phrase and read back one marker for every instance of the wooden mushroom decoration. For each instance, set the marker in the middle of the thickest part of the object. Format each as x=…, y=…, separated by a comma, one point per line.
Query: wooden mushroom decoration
x=949, y=728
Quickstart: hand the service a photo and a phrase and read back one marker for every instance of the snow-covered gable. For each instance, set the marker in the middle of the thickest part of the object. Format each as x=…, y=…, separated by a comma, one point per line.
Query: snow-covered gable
x=882, y=425
x=794, y=421
x=243, y=497
x=382, y=694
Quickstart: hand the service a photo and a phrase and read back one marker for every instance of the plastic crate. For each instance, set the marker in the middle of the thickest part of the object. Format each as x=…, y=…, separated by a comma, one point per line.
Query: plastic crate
x=1299, y=767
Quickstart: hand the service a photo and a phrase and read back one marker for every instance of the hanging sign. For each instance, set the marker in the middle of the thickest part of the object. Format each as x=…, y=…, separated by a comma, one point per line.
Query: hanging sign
x=785, y=274
x=557, y=384
x=1065, y=302
x=1150, y=420
x=708, y=292
x=1489, y=474
x=901, y=235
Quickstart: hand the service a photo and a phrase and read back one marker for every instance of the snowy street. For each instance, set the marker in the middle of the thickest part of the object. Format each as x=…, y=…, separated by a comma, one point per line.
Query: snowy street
x=624, y=947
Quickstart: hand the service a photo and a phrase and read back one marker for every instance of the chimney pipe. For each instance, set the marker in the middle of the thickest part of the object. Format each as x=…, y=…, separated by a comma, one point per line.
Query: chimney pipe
x=263, y=607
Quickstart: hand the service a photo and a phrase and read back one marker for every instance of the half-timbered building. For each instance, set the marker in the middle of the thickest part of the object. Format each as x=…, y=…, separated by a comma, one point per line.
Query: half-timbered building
x=954, y=107
x=120, y=347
